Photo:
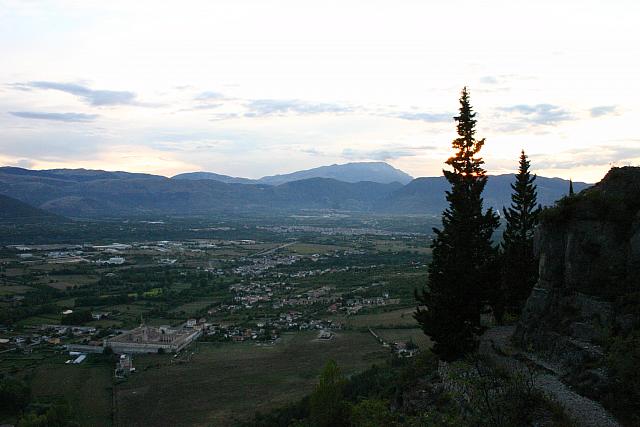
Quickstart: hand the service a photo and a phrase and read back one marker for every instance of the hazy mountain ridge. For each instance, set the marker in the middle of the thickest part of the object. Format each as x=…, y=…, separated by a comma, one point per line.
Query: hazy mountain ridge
x=379, y=172
x=427, y=194
x=78, y=175
x=215, y=177
x=14, y=210
x=85, y=193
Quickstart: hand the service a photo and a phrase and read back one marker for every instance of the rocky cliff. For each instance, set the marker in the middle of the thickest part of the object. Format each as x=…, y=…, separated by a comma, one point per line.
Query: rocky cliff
x=589, y=280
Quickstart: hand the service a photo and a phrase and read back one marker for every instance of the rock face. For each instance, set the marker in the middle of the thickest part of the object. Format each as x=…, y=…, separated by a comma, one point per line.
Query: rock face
x=589, y=271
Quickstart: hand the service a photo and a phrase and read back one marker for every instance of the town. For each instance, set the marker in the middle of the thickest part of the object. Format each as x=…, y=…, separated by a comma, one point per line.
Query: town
x=177, y=302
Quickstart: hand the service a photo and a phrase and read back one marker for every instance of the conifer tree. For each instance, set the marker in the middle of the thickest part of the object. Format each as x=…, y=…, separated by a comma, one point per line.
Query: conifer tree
x=326, y=406
x=571, y=193
x=519, y=267
x=463, y=258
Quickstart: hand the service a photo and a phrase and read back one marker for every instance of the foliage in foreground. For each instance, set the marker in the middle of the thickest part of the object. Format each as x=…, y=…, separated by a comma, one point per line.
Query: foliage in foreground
x=491, y=396
x=420, y=392
x=15, y=400
x=623, y=360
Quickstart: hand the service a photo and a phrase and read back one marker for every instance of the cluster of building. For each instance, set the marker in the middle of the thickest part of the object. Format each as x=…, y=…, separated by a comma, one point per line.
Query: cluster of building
x=29, y=340
x=332, y=231
x=260, y=265
x=238, y=333
x=267, y=329
x=321, y=295
x=248, y=294
x=53, y=335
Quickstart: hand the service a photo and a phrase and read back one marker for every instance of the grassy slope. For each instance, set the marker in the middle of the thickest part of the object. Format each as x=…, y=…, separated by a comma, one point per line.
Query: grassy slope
x=223, y=381
x=87, y=387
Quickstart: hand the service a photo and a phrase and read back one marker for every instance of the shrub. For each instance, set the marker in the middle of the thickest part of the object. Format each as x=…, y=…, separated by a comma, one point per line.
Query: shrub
x=14, y=395
x=623, y=360
x=491, y=396
x=371, y=413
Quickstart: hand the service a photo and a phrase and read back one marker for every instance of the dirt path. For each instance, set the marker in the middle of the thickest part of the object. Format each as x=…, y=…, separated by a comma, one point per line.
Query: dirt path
x=584, y=411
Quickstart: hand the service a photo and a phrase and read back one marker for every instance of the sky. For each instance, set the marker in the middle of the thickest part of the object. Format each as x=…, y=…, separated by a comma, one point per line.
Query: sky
x=254, y=88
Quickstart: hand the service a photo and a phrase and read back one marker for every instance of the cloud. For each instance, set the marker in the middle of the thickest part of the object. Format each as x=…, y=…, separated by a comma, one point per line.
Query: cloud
x=69, y=143
x=426, y=117
x=96, y=98
x=524, y=116
x=603, y=110
x=59, y=117
x=224, y=116
x=592, y=156
x=490, y=80
x=253, y=108
x=311, y=150
x=209, y=95
x=383, y=154
x=206, y=106
x=272, y=107
x=24, y=163
x=540, y=114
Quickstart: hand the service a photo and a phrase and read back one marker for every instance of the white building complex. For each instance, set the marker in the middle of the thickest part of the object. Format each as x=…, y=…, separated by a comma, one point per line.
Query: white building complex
x=149, y=339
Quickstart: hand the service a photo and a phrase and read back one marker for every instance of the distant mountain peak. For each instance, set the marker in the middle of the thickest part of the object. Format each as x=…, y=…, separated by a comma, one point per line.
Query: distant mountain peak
x=379, y=172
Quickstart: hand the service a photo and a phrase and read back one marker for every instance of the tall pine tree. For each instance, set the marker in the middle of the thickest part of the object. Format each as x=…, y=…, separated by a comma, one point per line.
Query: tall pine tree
x=519, y=267
x=463, y=264
x=571, y=193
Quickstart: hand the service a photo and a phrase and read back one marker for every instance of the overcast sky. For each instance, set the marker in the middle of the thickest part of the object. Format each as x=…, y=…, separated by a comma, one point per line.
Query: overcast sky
x=250, y=88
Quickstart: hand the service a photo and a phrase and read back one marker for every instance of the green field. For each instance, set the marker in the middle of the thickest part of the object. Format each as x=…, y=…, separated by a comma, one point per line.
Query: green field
x=63, y=282
x=66, y=303
x=192, y=308
x=399, y=245
x=13, y=289
x=403, y=335
x=129, y=315
x=47, y=319
x=309, y=248
x=223, y=381
x=105, y=323
x=395, y=318
x=14, y=362
x=86, y=387
x=133, y=309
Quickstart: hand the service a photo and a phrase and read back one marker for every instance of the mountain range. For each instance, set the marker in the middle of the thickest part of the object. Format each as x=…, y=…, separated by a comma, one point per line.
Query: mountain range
x=12, y=210
x=380, y=172
x=95, y=193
